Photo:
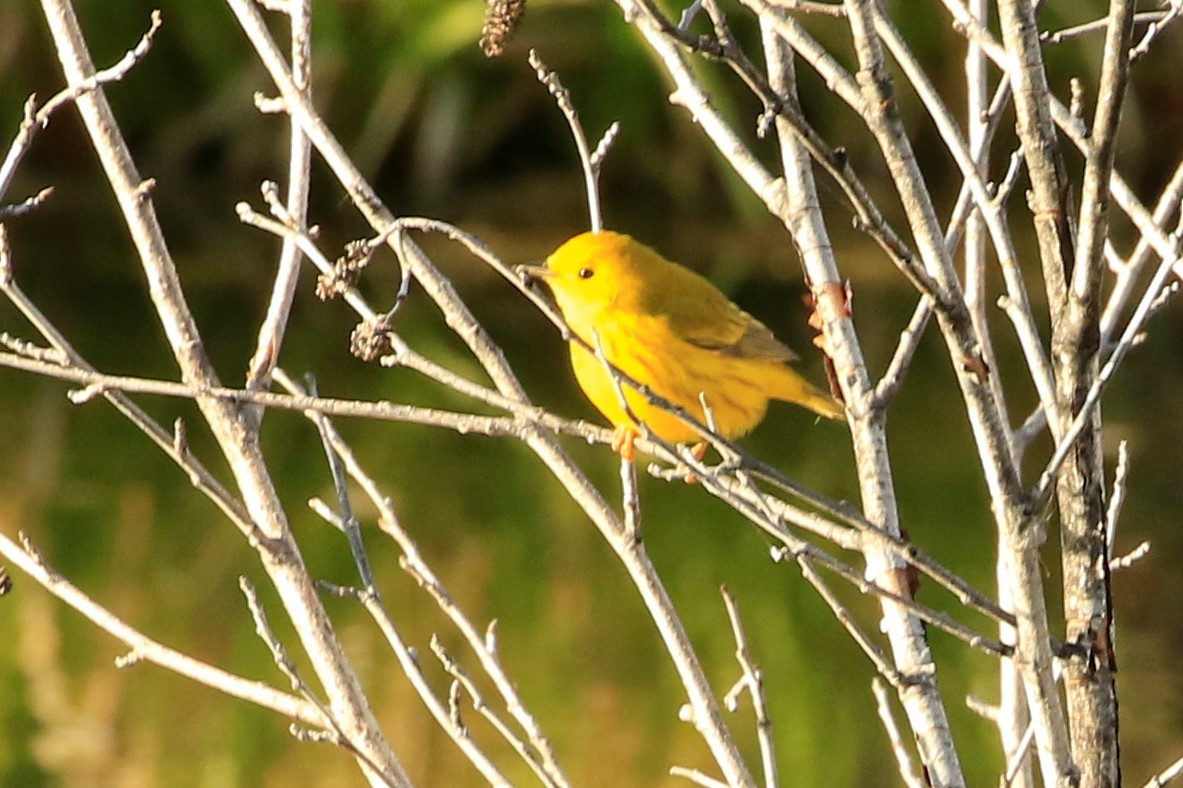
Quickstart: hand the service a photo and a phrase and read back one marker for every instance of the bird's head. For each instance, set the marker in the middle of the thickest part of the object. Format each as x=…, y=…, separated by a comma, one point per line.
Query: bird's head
x=594, y=272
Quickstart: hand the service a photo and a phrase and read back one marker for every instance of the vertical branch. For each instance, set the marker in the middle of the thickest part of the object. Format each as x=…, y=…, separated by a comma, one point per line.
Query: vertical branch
x=300, y=156
x=689, y=94
x=977, y=105
x=1013, y=717
x=589, y=160
x=802, y=215
x=1090, y=691
x=1048, y=197
x=1094, y=199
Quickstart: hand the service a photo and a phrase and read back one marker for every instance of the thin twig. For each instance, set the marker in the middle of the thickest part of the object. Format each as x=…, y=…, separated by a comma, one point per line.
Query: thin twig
x=1128, y=273
x=1155, y=28
x=462, y=680
x=1093, y=223
x=27, y=205
x=901, y=359
x=802, y=550
x=35, y=120
x=1130, y=558
x=697, y=777
x=461, y=422
x=811, y=7
x=1117, y=495
x=588, y=160
x=283, y=292
x=1166, y=775
x=1154, y=19
x=753, y=681
x=630, y=498
x=1127, y=342
x=348, y=522
x=1015, y=763
x=409, y=662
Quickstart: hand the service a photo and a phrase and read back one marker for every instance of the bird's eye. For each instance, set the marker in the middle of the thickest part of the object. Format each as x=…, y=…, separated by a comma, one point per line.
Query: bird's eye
x=586, y=273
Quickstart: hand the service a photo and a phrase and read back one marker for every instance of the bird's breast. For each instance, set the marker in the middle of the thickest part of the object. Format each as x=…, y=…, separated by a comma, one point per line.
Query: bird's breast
x=645, y=349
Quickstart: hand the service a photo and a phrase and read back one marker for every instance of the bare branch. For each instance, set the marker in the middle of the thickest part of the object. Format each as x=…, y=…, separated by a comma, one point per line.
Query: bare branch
x=1130, y=558
x=1166, y=775
x=663, y=38
x=696, y=777
x=1127, y=342
x=1154, y=21
x=893, y=376
x=283, y=292
x=145, y=649
x=753, y=682
x=1093, y=226
x=409, y=662
x=1128, y=273
x=1117, y=495
x=463, y=423
x=236, y=440
x=483, y=646
x=61, y=352
x=903, y=760
x=34, y=121
x=590, y=161
x=461, y=679
x=1155, y=27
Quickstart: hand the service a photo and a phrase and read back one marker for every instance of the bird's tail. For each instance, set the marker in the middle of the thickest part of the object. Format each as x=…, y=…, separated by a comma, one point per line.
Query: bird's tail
x=791, y=387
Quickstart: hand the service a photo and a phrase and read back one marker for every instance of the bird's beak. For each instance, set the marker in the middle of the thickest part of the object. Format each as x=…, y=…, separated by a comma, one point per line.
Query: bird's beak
x=534, y=272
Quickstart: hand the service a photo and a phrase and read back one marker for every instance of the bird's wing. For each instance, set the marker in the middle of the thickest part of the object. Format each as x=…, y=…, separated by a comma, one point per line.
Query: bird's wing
x=721, y=326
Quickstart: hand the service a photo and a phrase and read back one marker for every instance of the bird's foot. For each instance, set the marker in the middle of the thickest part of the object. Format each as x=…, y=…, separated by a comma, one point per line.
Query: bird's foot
x=623, y=438
x=697, y=451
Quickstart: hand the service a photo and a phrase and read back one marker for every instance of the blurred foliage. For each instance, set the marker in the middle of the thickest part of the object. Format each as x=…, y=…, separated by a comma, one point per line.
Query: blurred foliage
x=442, y=131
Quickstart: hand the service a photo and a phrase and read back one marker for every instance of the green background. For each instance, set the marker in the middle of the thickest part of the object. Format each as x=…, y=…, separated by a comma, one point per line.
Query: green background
x=441, y=131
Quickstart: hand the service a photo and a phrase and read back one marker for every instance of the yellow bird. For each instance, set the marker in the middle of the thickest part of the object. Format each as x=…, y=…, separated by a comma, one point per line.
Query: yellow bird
x=672, y=330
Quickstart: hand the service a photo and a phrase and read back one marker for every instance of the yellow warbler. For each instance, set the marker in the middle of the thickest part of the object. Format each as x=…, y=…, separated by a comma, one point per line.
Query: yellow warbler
x=669, y=328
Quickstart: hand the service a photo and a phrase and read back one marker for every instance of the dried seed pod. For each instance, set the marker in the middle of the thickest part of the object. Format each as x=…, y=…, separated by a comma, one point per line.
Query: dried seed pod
x=501, y=18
